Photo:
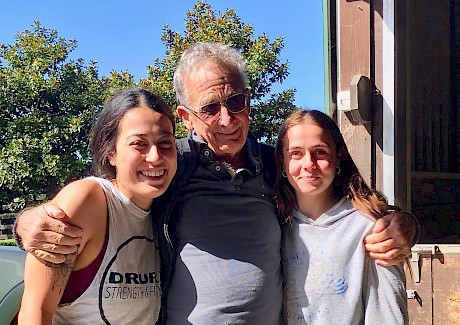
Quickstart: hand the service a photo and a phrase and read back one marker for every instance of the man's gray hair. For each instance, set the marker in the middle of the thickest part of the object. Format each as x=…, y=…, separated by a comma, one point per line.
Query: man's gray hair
x=201, y=52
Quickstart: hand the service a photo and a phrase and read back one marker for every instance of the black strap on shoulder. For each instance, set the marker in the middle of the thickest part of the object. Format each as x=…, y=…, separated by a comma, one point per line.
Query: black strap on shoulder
x=187, y=160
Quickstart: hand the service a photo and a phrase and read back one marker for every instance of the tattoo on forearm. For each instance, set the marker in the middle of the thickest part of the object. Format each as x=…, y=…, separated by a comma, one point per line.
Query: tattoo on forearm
x=58, y=275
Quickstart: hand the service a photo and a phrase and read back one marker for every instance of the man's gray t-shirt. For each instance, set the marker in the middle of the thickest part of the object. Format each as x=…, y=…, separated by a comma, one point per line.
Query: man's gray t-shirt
x=228, y=265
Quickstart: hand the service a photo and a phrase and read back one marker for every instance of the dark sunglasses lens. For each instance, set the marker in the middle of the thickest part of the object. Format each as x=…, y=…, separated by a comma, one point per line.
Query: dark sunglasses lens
x=236, y=103
x=210, y=109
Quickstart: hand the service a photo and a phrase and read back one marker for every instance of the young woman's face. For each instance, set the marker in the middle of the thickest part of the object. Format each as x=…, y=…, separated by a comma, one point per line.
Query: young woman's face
x=145, y=157
x=310, y=160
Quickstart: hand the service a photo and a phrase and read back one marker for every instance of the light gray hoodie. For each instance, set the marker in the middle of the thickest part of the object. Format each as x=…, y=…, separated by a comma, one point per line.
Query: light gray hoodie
x=328, y=277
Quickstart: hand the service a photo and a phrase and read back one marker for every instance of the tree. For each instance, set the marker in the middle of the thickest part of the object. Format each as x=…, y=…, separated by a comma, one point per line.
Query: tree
x=262, y=59
x=48, y=102
x=47, y=105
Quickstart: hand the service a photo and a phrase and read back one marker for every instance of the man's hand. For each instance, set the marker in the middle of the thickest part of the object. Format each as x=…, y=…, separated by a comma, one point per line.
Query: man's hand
x=392, y=238
x=45, y=234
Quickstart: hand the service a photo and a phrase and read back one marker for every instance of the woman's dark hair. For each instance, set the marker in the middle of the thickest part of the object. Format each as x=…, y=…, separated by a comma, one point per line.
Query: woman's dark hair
x=105, y=128
x=348, y=182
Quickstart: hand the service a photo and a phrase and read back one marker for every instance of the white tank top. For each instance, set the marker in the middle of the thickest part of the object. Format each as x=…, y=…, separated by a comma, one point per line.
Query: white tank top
x=126, y=288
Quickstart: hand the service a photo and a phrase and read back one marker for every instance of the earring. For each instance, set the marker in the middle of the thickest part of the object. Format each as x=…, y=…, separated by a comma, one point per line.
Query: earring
x=338, y=170
x=283, y=173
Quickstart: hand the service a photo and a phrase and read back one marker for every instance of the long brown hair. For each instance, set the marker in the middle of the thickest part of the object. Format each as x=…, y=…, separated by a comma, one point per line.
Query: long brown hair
x=348, y=183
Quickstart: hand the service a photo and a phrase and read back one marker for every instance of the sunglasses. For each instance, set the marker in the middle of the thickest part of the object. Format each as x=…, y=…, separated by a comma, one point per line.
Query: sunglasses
x=234, y=103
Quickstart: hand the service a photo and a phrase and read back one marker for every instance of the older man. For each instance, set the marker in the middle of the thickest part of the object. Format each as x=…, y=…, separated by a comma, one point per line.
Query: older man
x=219, y=227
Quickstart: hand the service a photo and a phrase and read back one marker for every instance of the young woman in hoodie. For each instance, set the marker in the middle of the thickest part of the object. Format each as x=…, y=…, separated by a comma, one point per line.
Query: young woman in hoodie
x=328, y=210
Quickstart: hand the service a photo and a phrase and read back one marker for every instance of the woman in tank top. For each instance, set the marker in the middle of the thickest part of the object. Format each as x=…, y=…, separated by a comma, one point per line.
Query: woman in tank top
x=115, y=278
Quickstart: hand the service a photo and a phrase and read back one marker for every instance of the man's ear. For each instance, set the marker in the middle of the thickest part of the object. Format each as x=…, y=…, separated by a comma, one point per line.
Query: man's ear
x=185, y=116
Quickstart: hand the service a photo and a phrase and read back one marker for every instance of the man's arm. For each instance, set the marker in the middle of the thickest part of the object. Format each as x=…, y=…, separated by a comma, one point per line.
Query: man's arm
x=43, y=232
x=392, y=238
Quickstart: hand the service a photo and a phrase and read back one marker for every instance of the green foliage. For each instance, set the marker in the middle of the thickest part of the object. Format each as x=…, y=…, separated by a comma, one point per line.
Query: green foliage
x=262, y=59
x=47, y=105
x=48, y=102
x=8, y=242
x=117, y=81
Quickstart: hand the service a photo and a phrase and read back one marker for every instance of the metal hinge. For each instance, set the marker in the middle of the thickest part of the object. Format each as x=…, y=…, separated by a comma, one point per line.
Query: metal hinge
x=412, y=294
x=417, y=252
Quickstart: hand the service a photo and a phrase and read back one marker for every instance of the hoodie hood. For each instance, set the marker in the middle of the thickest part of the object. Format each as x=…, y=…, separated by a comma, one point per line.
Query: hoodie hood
x=339, y=211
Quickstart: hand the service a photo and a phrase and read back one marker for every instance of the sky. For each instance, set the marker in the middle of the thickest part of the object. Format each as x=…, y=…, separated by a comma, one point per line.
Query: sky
x=126, y=35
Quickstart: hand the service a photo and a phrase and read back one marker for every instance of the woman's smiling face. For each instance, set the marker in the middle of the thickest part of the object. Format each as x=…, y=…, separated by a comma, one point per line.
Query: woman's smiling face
x=145, y=156
x=310, y=160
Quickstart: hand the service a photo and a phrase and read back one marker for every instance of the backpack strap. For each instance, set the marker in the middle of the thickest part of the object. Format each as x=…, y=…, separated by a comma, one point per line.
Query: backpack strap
x=187, y=161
